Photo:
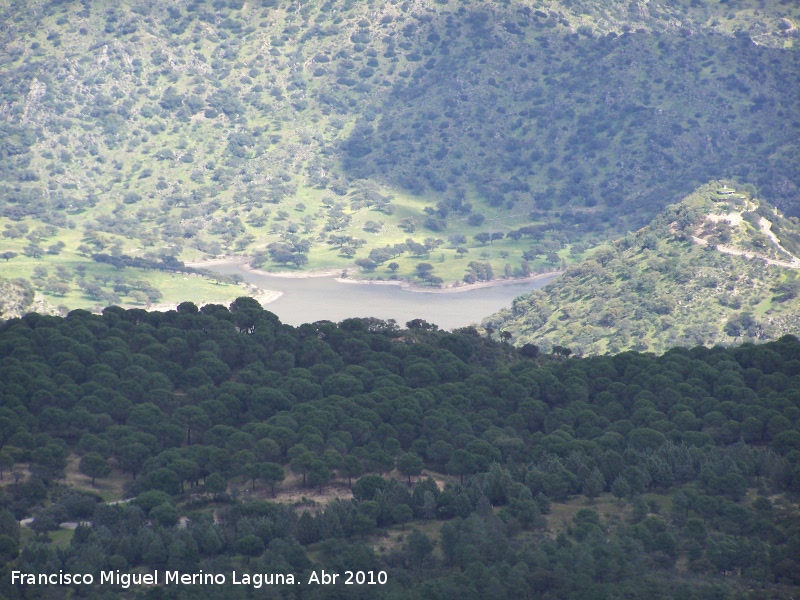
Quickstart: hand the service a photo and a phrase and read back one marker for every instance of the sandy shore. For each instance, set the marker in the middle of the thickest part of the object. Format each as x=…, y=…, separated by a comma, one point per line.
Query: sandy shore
x=298, y=275
x=244, y=263
x=261, y=295
x=448, y=288
x=210, y=262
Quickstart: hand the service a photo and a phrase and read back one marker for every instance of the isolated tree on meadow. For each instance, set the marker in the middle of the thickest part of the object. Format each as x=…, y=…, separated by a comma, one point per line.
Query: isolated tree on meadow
x=482, y=237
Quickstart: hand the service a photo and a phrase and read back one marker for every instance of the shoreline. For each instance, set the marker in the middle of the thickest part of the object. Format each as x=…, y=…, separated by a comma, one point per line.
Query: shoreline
x=261, y=295
x=450, y=288
x=244, y=263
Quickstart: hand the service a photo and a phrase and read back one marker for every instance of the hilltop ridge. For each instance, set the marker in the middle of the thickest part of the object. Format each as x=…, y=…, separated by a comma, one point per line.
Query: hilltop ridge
x=721, y=266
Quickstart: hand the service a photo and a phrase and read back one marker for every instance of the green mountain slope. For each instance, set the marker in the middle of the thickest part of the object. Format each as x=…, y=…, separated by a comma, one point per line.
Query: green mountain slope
x=719, y=267
x=331, y=130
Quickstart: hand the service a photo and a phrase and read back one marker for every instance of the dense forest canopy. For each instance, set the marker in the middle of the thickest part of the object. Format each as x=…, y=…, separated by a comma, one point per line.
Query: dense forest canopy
x=475, y=469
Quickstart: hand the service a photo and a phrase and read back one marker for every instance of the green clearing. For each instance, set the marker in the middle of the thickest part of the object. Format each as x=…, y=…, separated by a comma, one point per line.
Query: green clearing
x=115, y=284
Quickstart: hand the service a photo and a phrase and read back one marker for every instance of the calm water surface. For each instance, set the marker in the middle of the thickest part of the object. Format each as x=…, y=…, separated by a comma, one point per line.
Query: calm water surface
x=323, y=298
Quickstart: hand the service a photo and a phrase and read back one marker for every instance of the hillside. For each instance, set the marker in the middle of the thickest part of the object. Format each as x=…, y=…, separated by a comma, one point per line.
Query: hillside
x=349, y=135
x=719, y=267
x=435, y=464
x=16, y=298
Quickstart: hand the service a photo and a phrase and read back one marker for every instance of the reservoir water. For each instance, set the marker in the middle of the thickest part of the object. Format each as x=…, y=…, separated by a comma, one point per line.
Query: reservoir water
x=309, y=299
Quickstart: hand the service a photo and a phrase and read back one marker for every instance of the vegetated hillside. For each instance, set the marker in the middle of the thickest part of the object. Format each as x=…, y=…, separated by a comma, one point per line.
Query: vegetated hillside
x=719, y=267
x=16, y=298
x=332, y=130
x=621, y=476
